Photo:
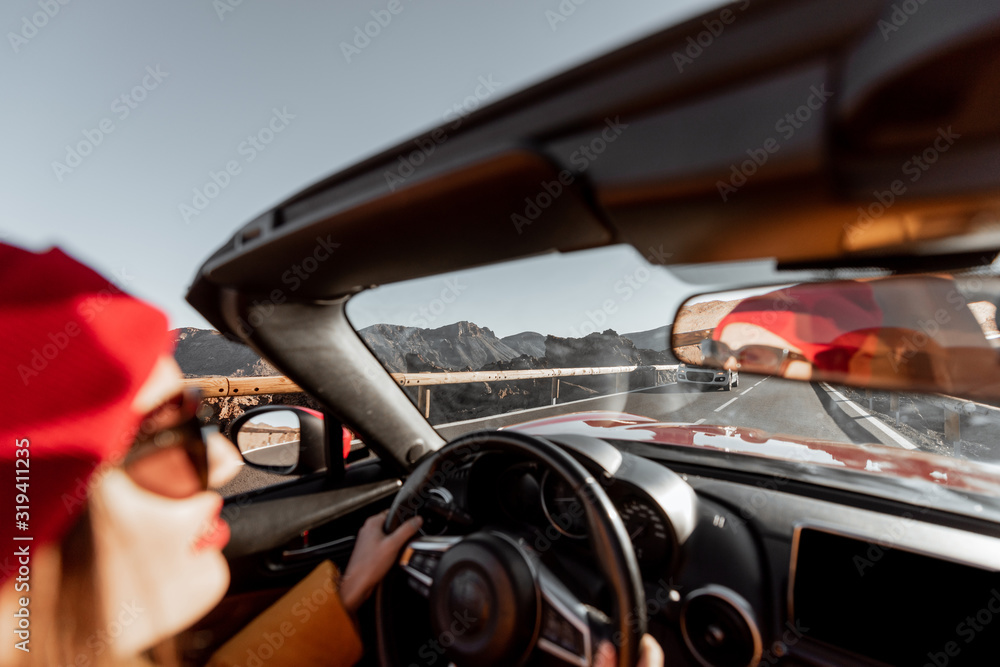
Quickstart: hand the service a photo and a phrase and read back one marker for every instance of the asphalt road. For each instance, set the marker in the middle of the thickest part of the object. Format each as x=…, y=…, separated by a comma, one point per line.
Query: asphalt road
x=771, y=404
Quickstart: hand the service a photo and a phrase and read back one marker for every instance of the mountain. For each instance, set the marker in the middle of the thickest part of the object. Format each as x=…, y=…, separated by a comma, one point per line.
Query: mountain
x=201, y=352
x=455, y=347
x=705, y=314
x=206, y=352
x=527, y=342
x=657, y=339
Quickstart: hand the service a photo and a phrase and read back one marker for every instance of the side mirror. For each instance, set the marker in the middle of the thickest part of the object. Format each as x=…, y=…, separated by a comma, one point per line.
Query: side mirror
x=285, y=440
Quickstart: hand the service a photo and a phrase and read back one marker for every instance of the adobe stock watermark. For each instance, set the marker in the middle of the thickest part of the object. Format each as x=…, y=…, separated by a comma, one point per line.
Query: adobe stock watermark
x=714, y=27
x=433, y=650
x=667, y=593
x=293, y=278
x=122, y=107
x=886, y=542
x=901, y=13
x=310, y=602
x=425, y=315
x=791, y=635
x=61, y=338
x=363, y=35
x=581, y=158
x=564, y=10
x=786, y=126
x=408, y=164
x=625, y=288
x=102, y=640
x=248, y=150
x=223, y=7
x=914, y=168
x=31, y=24
x=967, y=629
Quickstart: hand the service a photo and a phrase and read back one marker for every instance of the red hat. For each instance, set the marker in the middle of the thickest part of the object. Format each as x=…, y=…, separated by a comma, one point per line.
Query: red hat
x=74, y=352
x=828, y=322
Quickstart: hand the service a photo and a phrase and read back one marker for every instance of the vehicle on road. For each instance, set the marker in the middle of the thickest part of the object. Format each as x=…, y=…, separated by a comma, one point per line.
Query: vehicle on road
x=811, y=188
x=706, y=378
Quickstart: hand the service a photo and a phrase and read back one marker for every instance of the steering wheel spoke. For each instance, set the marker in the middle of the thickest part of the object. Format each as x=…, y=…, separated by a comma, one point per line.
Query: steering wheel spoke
x=490, y=601
x=568, y=625
x=420, y=559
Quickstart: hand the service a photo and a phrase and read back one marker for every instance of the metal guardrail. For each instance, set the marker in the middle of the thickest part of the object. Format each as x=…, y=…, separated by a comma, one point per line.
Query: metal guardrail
x=218, y=386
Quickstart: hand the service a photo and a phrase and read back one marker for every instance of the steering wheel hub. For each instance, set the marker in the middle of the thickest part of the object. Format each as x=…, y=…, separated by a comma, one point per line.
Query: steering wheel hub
x=484, y=602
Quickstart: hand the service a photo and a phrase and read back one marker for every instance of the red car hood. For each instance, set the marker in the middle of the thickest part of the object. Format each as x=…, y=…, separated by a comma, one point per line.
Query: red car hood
x=955, y=473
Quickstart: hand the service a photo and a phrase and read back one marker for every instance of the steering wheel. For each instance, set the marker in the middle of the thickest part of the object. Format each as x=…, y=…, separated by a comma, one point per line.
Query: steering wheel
x=491, y=600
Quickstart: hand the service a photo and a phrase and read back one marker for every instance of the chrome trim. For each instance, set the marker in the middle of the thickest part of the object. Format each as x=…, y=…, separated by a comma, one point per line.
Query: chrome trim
x=426, y=580
x=737, y=602
x=434, y=544
x=561, y=653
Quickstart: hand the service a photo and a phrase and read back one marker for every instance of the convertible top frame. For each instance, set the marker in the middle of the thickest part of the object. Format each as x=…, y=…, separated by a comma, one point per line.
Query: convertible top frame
x=687, y=160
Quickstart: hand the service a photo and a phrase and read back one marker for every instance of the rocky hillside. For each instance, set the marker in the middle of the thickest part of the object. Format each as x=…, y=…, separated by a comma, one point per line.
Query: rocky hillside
x=657, y=339
x=527, y=342
x=421, y=352
x=456, y=347
x=462, y=346
x=201, y=352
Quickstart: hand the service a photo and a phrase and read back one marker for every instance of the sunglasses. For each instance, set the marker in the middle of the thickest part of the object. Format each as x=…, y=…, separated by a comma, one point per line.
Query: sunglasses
x=170, y=454
x=752, y=358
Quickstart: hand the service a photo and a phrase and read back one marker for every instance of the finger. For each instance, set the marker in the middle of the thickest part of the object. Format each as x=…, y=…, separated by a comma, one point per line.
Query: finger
x=606, y=656
x=402, y=534
x=650, y=653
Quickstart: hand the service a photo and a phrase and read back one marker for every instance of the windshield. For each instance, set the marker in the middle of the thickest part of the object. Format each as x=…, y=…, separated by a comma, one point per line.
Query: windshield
x=575, y=334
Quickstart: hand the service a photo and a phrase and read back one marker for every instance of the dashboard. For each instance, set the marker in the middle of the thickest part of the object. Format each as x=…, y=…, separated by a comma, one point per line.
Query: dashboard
x=750, y=572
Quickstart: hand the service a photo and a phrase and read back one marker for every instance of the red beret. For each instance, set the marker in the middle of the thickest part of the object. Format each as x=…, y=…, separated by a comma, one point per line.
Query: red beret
x=74, y=352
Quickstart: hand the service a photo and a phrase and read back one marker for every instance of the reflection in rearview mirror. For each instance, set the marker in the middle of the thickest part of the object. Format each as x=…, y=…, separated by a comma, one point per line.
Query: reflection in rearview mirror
x=271, y=439
x=905, y=333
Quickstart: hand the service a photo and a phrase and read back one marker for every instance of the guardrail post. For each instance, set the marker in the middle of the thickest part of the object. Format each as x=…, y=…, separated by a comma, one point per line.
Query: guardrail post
x=952, y=426
x=555, y=391
x=871, y=400
x=424, y=400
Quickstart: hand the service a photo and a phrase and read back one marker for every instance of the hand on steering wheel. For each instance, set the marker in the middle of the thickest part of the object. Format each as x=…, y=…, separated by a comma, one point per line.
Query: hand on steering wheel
x=650, y=654
x=374, y=554
x=490, y=600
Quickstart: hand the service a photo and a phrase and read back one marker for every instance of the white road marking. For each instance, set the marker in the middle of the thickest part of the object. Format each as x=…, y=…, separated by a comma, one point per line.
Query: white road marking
x=727, y=403
x=700, y=421
x=759, y=381
x=876, y=422
x=747, y=389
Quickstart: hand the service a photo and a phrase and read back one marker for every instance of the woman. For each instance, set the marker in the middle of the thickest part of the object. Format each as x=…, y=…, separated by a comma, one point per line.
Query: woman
x=116, y=541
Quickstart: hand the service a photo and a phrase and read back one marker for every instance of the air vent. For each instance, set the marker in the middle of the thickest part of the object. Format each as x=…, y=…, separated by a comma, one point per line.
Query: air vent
x=719, y=628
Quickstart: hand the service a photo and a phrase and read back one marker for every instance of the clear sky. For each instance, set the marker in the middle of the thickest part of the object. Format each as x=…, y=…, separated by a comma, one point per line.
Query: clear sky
x=568, y=295
x=115, y=112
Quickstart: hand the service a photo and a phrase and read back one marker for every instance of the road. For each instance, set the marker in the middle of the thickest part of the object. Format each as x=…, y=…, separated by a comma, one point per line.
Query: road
x=771, y=404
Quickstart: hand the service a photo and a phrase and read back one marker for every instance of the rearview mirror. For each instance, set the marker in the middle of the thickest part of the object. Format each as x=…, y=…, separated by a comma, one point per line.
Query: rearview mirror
x=285, y=440
x=924, y=333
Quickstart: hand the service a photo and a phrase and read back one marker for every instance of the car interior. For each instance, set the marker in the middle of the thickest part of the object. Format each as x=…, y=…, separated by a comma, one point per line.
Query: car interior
x=839, y=140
